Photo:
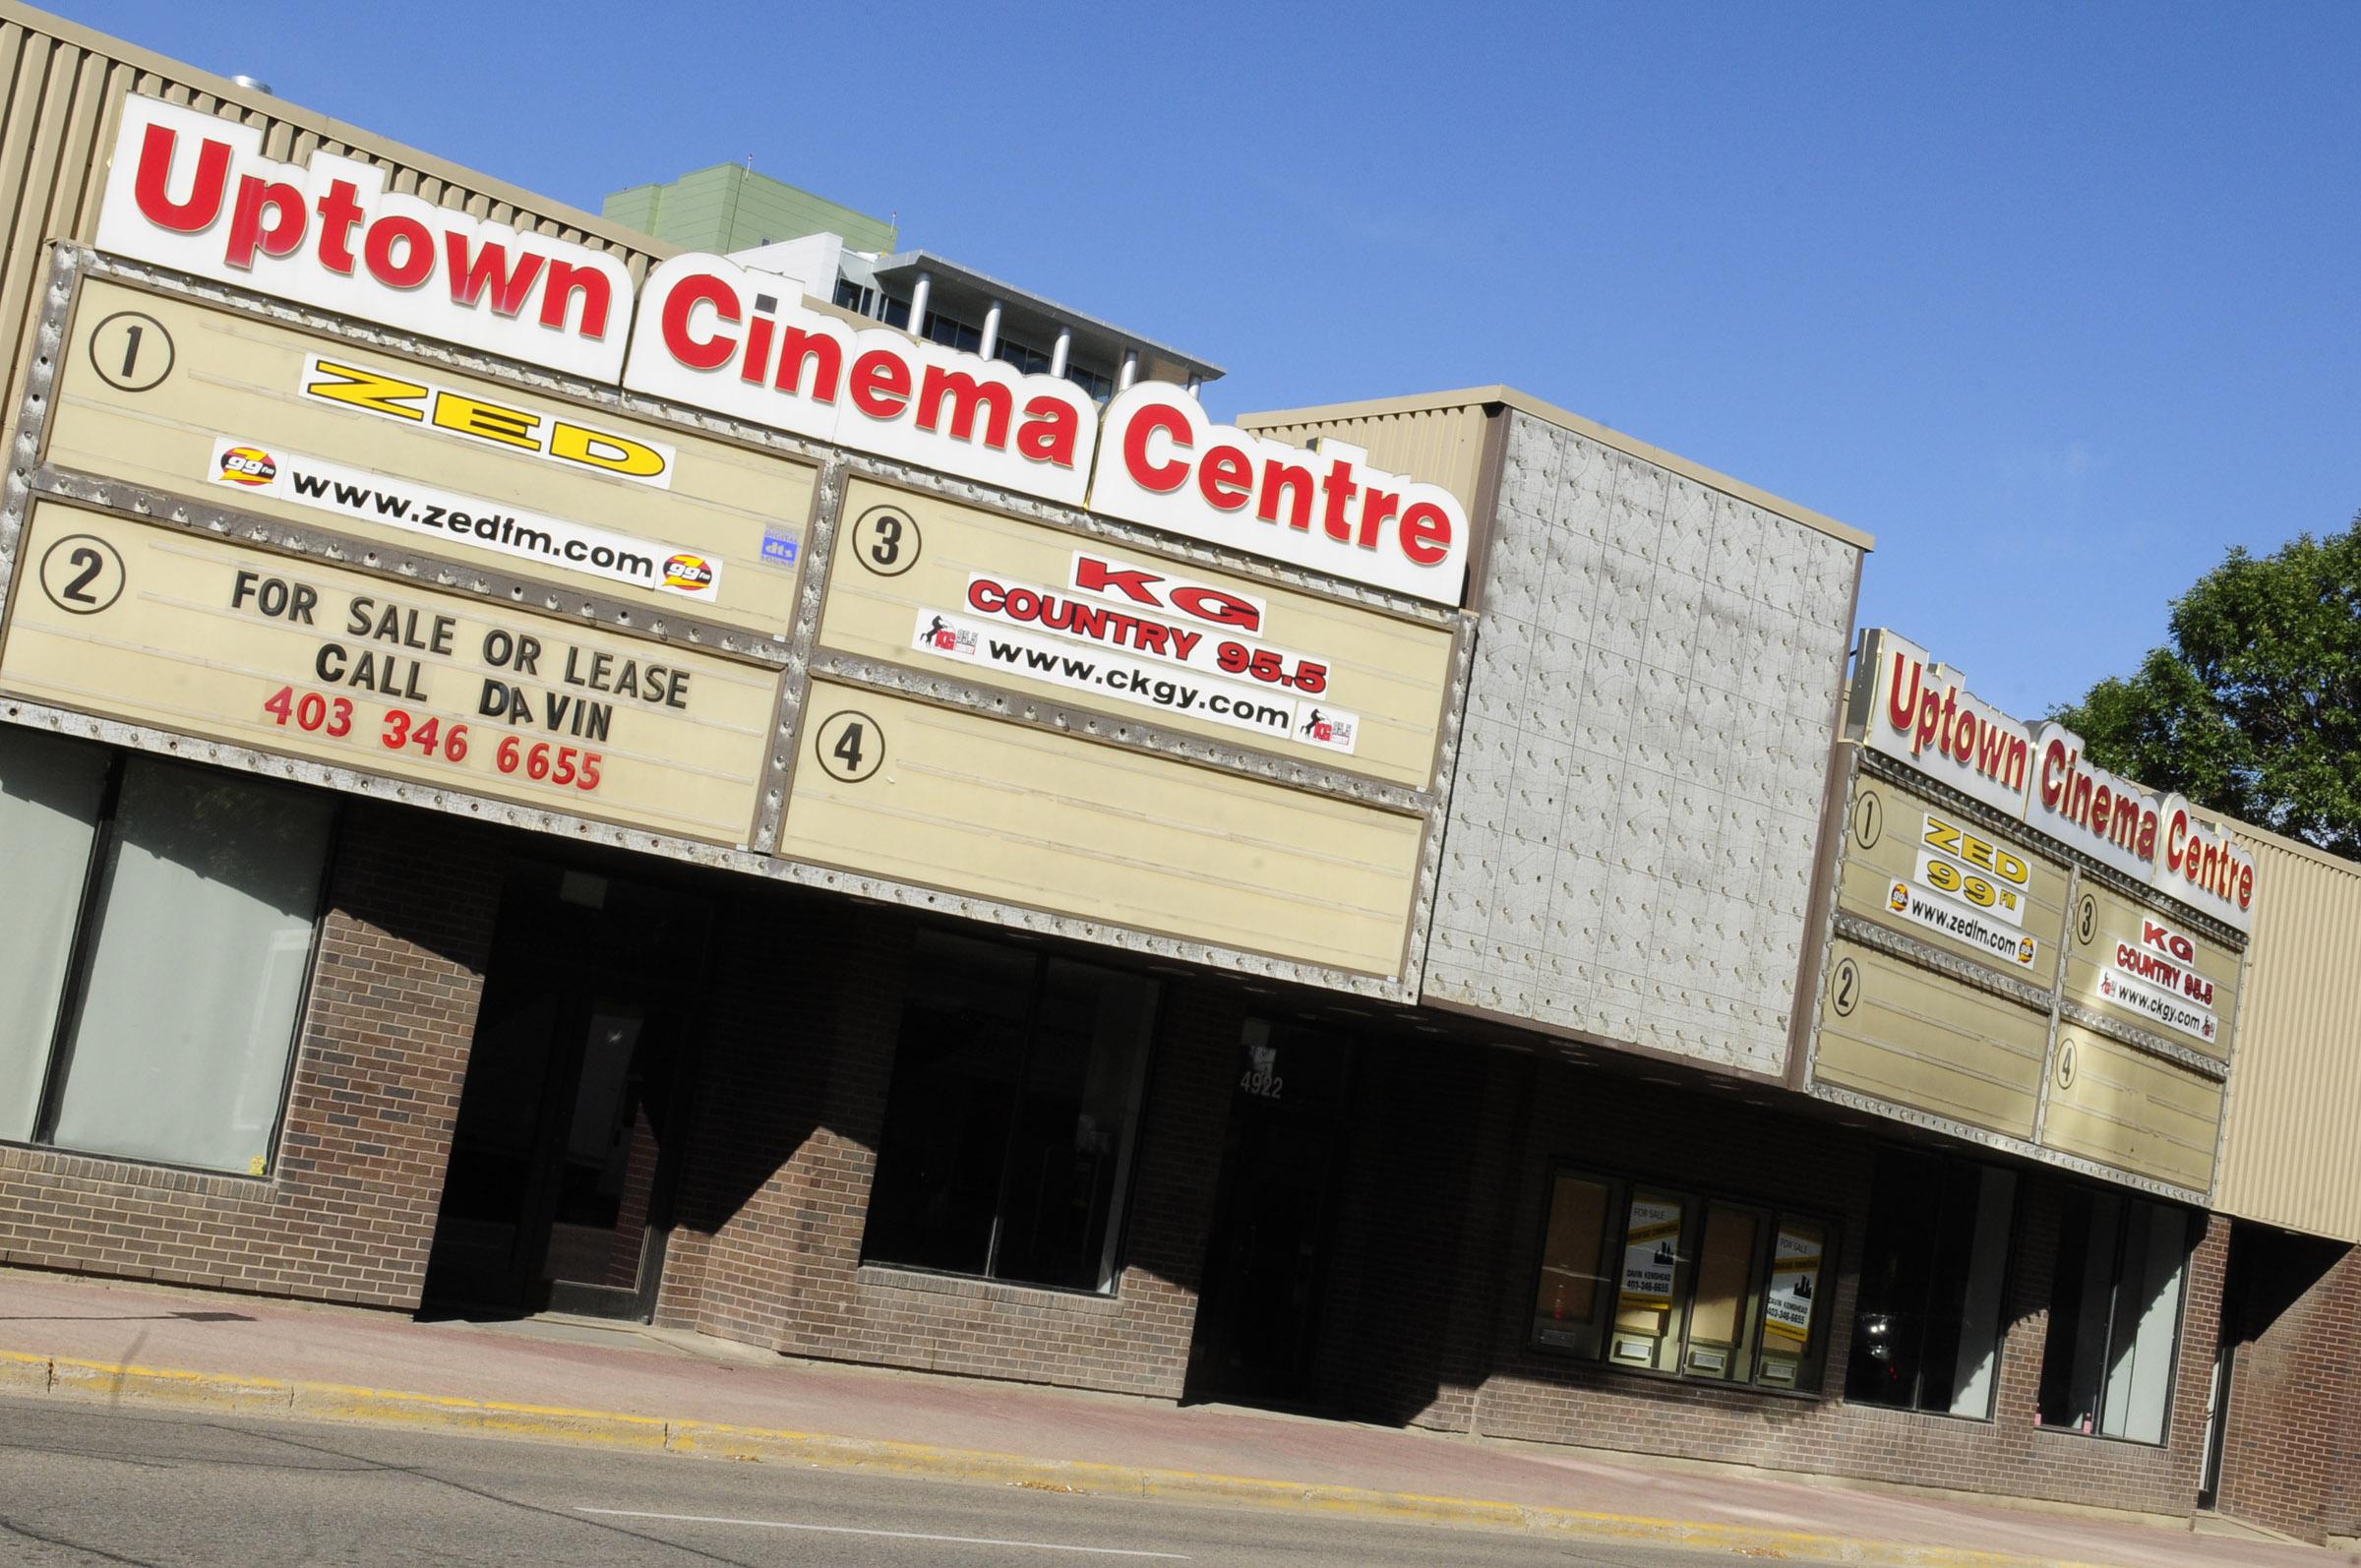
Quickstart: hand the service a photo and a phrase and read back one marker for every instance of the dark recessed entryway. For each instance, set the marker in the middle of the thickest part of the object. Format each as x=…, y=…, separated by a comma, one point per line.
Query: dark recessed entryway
x=1266, y=1260
x=558, y=1192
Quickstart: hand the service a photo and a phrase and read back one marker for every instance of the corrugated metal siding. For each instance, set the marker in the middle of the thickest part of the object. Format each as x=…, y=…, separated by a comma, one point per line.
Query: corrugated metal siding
x=1442, y=446
x=60, y=87
x=2293, y=1153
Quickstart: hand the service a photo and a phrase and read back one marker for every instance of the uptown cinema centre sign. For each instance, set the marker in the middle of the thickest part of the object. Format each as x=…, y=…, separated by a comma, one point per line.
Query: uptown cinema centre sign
x=195, y=194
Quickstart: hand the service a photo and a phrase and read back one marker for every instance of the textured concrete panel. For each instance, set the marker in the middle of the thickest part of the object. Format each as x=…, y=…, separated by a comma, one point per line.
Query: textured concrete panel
x=1631, y=835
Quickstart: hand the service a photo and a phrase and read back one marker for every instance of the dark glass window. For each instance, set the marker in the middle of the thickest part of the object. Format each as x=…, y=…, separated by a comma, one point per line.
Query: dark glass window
x=1026, y=358
x=1926, y=1333
x=951, y=332
x=2114, y=1317
x=1010, y=1127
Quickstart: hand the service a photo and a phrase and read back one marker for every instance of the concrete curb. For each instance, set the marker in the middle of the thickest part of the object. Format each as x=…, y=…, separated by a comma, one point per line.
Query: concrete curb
x=104, y=1382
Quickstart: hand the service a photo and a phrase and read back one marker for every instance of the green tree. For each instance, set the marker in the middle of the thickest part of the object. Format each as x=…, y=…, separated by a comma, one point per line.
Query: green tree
x=2254, y=709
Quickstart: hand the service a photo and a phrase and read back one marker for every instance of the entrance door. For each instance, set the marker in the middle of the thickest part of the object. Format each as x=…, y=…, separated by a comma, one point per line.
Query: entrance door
x=556, y=1196
x=1258, y=1317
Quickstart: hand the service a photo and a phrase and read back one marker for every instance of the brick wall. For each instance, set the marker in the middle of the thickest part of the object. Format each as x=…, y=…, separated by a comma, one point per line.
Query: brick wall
x=789, y=1104
x=2290, y=1454
x=1481, y=1375
x=348, y=1213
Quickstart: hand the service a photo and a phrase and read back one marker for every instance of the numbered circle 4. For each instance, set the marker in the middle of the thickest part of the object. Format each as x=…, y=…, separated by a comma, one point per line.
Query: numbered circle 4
x=82, y=575
x=849, y=745
x=885, y=541
x=131, y=351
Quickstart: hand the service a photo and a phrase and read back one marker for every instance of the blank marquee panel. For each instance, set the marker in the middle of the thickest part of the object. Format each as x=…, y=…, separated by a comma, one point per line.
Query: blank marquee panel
x=942, y=798
x=1916, y=1037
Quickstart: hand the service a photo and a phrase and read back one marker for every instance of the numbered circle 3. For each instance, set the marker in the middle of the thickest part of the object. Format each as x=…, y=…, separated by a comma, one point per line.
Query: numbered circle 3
x=131, y=351
x=82, y=575
x=849, y=745
x=885, y=541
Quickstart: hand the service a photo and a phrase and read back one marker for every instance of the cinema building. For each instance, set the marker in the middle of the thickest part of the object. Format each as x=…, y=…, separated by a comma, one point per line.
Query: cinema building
x=539, y=773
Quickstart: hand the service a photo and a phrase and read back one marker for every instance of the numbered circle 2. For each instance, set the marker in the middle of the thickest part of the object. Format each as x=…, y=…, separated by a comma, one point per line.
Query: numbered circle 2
x=1844, y=987
x=82, y=575
x=849, y=745
x=131, y=351
x=885, y=540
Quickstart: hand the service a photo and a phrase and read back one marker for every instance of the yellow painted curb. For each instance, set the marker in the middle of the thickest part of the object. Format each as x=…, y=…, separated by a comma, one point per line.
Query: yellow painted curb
x=103, y=1381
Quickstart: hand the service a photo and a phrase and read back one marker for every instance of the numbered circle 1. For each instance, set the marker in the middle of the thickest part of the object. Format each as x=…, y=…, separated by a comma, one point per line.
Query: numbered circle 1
x=885, y=540
x=131, y=351
x=1869, y=818
x=849, y=745
x=1844, y=987
x=82, y=575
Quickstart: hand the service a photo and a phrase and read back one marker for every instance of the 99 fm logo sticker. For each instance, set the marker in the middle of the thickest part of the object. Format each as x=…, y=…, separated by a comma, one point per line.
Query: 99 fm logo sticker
x=688, y=572
x=248, y=466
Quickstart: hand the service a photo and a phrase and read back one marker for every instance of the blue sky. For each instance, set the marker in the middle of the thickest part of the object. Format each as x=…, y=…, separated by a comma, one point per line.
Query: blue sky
x=2059, y=302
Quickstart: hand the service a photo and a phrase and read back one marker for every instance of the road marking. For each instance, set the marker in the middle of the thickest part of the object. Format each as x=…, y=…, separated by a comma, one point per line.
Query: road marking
x=893, y=1534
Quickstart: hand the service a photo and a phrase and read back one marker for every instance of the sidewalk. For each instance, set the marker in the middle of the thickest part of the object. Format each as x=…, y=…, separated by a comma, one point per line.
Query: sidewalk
x=590, y=1383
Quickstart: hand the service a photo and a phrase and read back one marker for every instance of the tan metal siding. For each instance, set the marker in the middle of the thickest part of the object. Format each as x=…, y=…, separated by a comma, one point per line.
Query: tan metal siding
x=1442, y=446
x=60, y=87
x=2292, y=1154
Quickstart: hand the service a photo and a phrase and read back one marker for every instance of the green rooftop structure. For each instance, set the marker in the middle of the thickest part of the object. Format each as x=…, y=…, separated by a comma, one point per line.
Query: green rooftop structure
x=730, y=208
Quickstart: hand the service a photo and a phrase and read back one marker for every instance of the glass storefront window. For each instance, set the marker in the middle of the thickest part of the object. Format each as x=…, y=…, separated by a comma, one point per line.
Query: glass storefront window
x=1723, y=1308
x=1569, y=1304
x=1926, y=1332
x=1700, y=1287
x=151, y=1006
x=1010, y=1129
x=2114, y=1317
x=49, y=795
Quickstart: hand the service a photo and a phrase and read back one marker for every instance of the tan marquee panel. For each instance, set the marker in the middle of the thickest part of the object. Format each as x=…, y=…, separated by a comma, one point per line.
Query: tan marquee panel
x=1392, y=673
x=1885, y=835
x=1914, y=1037
x=945, y=799
x=2121, y=1107
x=146, y=623
x=239, y=378
x=2110, y=922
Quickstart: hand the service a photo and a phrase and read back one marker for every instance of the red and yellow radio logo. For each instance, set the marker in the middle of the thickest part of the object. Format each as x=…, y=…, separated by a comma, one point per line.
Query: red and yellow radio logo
x=248, y=466
x=687, y=571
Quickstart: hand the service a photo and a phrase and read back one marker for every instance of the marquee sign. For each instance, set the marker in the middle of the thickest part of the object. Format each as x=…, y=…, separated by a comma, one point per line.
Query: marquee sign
x=196, y=193
x=1981, y=978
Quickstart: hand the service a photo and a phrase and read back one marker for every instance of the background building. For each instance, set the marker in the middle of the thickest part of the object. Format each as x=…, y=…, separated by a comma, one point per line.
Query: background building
x=852, y=260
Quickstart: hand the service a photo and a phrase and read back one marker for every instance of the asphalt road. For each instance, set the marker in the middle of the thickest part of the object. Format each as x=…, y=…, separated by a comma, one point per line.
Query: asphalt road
x=83, y=1484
